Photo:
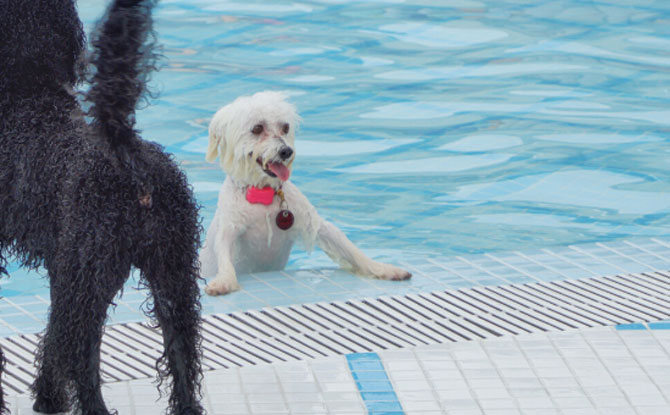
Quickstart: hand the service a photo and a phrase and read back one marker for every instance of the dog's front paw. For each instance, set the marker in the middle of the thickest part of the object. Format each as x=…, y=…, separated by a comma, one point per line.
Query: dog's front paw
x=220, y=286
x=389, y=272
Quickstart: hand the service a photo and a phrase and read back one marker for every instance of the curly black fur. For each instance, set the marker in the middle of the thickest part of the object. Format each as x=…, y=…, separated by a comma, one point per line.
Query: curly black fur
x=89, y=200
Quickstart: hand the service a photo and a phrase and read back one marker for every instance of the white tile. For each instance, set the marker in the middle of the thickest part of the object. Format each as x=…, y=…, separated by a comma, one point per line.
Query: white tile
x=504, y=411
x=268, y=408
x=443, y=374
x=608, y=402
x=223, y=398
x=340, y=396
x=572, y=402
x=459, y=404
x=515, y=372
x=482, y=364
x=149, y=408
x=230, y=408
x=579, y=411
x=405, y=375
x=338, y=387
x=416, y=384
x=261, y=388
x=560, y=382
x=293, y=376
x=525, y=382
x=619, y=410
x=488, y=404
x=304, y=397
x=453, y=394
x=260, y=397
x=225, y=388
x=332, y=376
x=344, y=406
x=329, y=365
x=528, y=392
x=535, y=402
x=431, y=405
x=565, y=392
x=291, y=387
x=472, y=411
x=491, y=393
x=424, y=395
x=480, y=373
x=655, y=399
x=400, y=365
x=653, y=410
x=307, y=407
x=452, y=383
x=596, y=380
x=515, y=362
x=438, y=365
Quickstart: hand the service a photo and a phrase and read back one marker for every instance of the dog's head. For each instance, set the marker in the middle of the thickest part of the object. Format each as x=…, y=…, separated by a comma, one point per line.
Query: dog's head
x=254, y=139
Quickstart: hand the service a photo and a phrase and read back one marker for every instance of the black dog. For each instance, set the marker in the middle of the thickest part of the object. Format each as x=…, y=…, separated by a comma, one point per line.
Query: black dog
x=84, y=197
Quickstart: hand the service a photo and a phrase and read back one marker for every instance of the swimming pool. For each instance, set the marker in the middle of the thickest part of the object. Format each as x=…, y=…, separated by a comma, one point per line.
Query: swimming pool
x=433, y=129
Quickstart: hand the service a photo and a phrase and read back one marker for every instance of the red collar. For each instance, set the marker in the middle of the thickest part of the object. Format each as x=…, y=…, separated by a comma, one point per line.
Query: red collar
x=263, y=196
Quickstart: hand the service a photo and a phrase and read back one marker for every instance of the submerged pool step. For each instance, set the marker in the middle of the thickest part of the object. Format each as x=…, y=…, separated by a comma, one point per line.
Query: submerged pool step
x=309, y=331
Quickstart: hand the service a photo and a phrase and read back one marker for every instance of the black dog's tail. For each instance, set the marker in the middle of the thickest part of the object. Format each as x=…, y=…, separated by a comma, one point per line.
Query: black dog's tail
x=123, y=58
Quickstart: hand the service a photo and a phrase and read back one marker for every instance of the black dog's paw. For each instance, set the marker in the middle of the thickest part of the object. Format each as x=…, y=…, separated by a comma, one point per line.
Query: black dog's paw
x=50, y=406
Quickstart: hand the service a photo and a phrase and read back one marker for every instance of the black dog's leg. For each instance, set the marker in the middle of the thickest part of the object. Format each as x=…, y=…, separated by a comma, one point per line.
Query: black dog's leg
x=69, y=354
x=3, y=407
x=49, y=388
x=176, y=306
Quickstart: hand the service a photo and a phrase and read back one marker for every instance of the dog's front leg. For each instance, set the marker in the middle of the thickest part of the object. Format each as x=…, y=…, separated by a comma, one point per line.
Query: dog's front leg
x=226, y=278
x=344, y=252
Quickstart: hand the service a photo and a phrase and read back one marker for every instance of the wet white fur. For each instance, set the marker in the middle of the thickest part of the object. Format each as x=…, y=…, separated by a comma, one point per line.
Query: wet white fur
x=244, y=237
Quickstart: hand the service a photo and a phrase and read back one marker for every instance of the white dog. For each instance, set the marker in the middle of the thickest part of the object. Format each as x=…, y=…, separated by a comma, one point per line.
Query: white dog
x=260, y=213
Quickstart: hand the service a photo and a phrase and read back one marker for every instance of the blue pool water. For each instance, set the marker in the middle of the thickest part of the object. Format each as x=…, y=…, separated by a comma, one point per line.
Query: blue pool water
x=436, y=128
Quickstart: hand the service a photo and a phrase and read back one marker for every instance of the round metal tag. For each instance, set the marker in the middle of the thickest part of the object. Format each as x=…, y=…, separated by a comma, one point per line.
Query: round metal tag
x=284, y=219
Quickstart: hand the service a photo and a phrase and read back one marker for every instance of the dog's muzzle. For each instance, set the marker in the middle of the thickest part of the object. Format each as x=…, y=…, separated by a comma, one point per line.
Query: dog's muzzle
x=276, y=168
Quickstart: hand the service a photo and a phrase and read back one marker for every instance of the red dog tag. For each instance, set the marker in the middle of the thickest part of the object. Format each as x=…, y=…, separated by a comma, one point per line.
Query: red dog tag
x=284, y=219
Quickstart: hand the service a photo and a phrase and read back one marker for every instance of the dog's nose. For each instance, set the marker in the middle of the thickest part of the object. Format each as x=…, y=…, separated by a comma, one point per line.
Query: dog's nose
x=285, y=152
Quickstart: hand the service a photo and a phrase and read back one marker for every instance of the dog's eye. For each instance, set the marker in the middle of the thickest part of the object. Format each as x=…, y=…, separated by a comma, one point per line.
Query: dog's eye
x=257, y=129
x=285, y=128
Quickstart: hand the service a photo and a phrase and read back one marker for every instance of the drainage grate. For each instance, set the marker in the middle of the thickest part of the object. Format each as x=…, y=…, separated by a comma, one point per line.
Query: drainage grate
x=308, y=331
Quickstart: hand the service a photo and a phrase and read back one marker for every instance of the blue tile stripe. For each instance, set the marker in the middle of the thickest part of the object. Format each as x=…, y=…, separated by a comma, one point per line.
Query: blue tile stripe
x=656, y=325
x=373, y=384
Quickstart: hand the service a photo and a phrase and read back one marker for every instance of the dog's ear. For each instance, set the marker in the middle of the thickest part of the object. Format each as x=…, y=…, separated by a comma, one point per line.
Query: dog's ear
x=217, y=129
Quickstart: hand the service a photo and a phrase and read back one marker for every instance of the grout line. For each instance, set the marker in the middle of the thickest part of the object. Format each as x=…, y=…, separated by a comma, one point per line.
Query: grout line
x=448, y=269
x=661, y=242
x=602, y=260
x=480, y=268
x=574, y=375
x=625, y=256
x=485, y=347
x=639, y=364
x=430, y=382
x=549, y=267
x=317, y=383
x=24, y=311
x=643, y=249
x=569, y=261
x=518, y=342
x=526, y=273
x=11, y=327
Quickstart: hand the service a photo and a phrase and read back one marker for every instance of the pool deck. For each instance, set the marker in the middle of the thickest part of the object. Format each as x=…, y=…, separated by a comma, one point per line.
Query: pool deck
x=573, y=330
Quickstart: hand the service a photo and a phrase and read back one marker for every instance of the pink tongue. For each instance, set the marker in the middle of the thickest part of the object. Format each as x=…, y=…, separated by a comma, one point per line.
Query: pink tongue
x=280, y=171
